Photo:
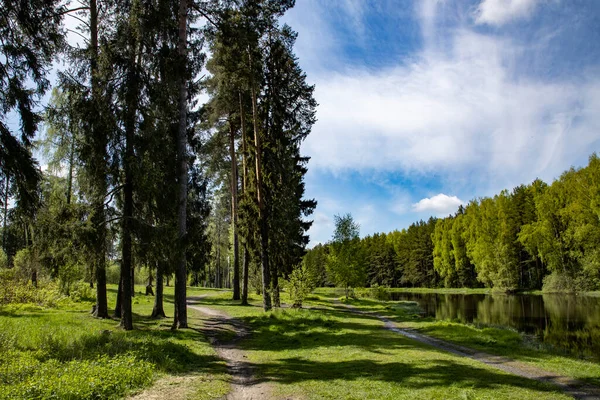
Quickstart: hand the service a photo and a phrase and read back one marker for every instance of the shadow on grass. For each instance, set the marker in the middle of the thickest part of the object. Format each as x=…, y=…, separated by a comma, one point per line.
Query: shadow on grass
x=444, y=373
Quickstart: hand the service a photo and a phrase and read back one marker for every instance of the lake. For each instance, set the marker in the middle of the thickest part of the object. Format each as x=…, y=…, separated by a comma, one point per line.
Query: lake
x=568, y=322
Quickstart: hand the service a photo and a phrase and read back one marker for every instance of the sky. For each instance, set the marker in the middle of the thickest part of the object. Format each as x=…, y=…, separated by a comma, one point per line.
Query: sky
x=427, y=104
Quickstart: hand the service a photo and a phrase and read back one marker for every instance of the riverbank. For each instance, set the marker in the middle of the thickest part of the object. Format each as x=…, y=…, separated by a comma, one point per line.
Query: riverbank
x=497, y=341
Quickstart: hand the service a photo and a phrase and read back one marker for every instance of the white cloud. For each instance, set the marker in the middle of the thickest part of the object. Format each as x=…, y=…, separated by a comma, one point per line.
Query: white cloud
x=440, y=204
x=500, y=12
x=455, y=112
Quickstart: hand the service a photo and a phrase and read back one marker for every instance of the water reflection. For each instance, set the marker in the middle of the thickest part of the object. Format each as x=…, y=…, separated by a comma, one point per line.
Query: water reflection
x=566, y=321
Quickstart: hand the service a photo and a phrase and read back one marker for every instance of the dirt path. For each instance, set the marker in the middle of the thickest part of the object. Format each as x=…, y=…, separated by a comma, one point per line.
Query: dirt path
x=570, y=386
x=244, y=386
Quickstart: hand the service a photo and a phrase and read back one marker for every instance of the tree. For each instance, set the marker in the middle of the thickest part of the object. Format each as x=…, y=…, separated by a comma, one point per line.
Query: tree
x=31, y=36
x=345, y=263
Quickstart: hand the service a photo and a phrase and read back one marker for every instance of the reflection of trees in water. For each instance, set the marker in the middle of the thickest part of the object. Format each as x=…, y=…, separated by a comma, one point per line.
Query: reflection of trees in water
x=574, y=323
x=563, y=321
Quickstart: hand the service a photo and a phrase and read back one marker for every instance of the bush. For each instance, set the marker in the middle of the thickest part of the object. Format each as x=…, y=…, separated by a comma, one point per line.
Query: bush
x=3, y=259
x=113, y=273
x=381, y=293
x=81, y=291
x=15, y=291
x=25, y=263
x=68, y=275
x=300, y=285
x=558, y=283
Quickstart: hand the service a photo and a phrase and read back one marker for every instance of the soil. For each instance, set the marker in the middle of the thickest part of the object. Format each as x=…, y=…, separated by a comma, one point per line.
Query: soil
x=244, y=385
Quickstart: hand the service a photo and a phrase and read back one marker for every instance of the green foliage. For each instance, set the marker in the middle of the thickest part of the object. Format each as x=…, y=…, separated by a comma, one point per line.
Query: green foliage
x=300, y=284
x=14, y=290
x=3, y=259
x=25, y=263
x=102, y=378
x=81, y=291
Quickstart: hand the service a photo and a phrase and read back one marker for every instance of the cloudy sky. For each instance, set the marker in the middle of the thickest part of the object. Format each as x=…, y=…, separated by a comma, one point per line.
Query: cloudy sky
x=426, y=104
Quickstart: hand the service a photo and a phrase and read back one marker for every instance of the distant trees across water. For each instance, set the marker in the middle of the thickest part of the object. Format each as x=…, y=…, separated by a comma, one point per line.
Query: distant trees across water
x=537, y=236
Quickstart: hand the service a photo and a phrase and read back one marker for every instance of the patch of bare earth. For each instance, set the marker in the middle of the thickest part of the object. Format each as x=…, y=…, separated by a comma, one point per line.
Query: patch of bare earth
x=244, y=385
x=172, y=387
x=572, y=387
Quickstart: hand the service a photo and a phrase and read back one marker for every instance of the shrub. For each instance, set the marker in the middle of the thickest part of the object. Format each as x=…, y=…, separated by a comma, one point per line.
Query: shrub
x=557, y=282
x=113, y=273
x=68, y=275
x=3, y=259
x=300, y=285
x=25, y=263
x=81, y=291
x=15, y=291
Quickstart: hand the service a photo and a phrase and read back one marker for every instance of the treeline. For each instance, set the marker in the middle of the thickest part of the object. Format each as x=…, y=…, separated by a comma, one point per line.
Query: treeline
x=139, y=173
x=536, y=236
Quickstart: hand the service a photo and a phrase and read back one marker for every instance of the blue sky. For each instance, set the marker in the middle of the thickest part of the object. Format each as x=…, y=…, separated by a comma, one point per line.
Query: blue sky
x=426, y=104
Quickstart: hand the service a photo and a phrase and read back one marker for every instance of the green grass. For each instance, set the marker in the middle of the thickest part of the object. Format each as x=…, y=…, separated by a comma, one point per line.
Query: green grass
x=319, y=353
x=328, y=353
x=65, y=353
x=493, y=340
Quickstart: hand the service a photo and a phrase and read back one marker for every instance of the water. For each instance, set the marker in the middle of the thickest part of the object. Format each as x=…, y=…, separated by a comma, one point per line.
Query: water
x=564, y=321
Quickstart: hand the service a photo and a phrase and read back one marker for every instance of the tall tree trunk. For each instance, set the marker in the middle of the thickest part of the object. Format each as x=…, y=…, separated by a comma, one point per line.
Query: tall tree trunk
x=5, y=213
x=180, y=316
x=264, y=229
x=158, y=310
x=131, y=99
x=234, y=213
x=100, y=185
x=244, y=189
x=71, y=167
x=118, y=307
x=275, y=281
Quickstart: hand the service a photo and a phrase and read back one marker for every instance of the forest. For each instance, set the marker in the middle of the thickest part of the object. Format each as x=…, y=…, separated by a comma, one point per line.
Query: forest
x=137, y=173
x=537, y=236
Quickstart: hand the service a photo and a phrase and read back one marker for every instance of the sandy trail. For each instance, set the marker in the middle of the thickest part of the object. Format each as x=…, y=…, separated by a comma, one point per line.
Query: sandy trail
x=572, y=387
x=244, y=385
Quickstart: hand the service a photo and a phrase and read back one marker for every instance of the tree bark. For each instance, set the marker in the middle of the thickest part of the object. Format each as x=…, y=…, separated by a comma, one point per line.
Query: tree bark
x=180, y=315
x=118, y=307
x=264, y=229
x=234, y=213
x=71, y=167
x=244, y=189
x=158, y=310
x=99, y=140
x=5, y=213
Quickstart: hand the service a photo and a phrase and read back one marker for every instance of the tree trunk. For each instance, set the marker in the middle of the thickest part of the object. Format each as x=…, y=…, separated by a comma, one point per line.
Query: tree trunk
x=245, y=282
x=264, y=229
x=275, y=281
x=127, y=272
x=180, y=316
x=118, y=307
x=99, y=140
x=158, y=311
x=5, y=213
x=244, y=188
x=234, y=212
x=71, y=166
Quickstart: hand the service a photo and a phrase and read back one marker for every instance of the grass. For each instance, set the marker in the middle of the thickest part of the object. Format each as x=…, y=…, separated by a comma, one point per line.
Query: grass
x=492, y=340
x=65, y=353
x=328, y=353
x=319, y=353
